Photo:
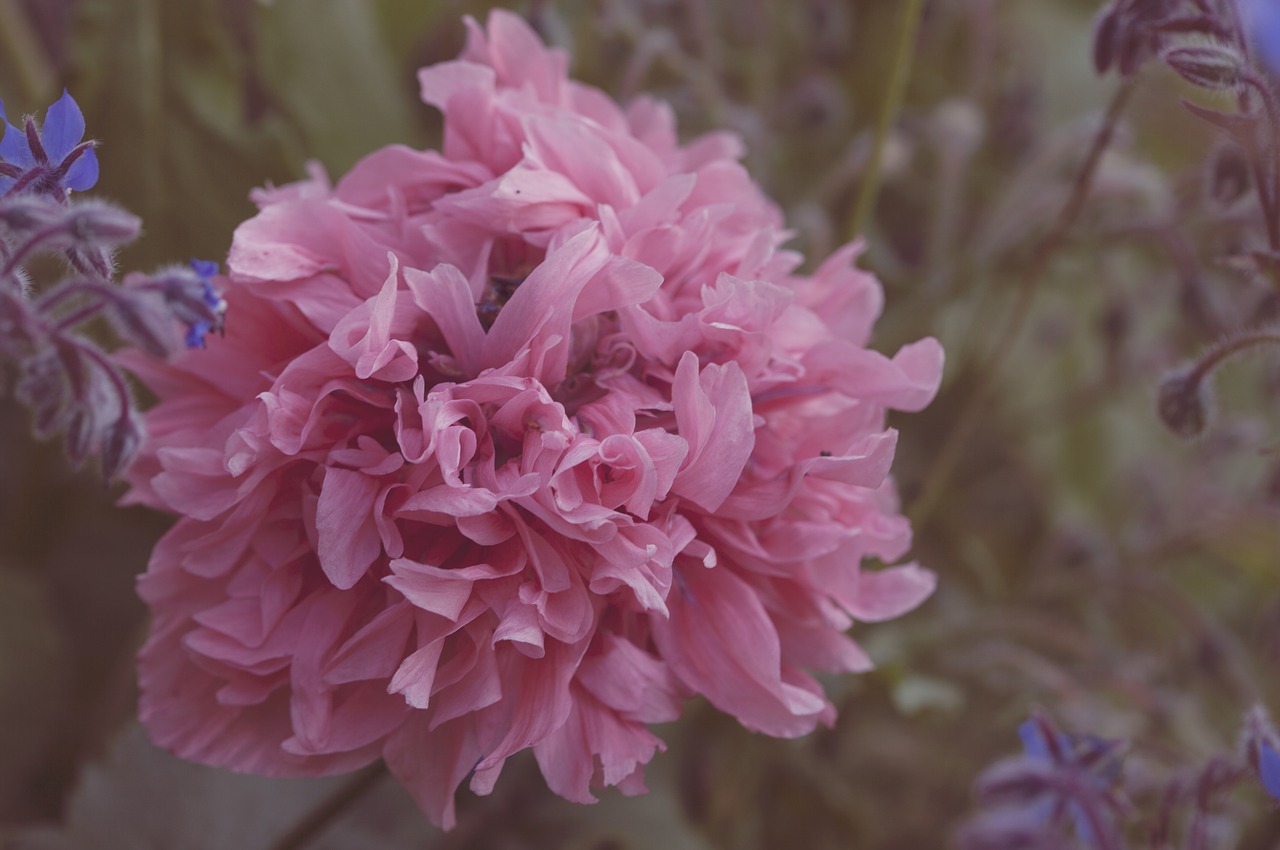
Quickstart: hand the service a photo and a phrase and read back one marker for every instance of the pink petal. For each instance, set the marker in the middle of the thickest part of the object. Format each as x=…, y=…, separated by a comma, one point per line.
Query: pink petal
x=891, y=592
x=348, y=536
x=713, y=414
x=433, y=781
x=721, y=643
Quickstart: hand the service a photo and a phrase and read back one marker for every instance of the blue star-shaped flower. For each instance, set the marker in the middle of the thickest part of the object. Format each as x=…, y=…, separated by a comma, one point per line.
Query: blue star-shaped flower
x=52, y=160
x=1095, y=760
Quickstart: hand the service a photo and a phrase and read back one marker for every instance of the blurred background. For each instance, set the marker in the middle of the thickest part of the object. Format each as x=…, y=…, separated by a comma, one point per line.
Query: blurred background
x=1091, y=563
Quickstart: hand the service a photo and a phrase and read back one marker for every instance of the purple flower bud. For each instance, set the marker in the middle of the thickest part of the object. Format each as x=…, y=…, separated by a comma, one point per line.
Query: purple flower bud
x=120, y=444
x=145, y=320
x=42, y=388
x=1184, y=404
x=24, y=215
x=1229, y=174
x=191, y=296
x=79, y=435
x=1211, y=66
x=100, y=224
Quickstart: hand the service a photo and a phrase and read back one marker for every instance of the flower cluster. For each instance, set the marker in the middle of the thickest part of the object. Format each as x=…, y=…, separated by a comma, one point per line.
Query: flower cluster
x=1067, y=791
x=519, y=445
x=71, y=386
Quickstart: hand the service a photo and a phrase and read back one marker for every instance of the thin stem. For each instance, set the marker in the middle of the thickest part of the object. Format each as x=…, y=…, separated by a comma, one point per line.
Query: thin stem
x=897, y=88
x=319, y=818
x=27, y=248
x=68, y=290
x=1230, y=347
x=82, y=315
x=939, y=476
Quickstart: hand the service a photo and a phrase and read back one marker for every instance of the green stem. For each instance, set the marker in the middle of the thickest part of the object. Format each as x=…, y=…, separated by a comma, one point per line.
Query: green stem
x=977, y=404
x=902, y=61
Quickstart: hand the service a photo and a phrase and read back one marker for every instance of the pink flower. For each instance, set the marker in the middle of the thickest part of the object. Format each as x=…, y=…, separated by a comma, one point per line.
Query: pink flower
x=519, y=445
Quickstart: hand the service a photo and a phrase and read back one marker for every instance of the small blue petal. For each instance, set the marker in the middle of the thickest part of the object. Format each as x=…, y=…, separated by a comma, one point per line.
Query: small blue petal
x=1033, y=740
x=196, y=334
x=83, y=173
x=205, y=268
x=63, y=128
x=1269, y=769
x=14, y=147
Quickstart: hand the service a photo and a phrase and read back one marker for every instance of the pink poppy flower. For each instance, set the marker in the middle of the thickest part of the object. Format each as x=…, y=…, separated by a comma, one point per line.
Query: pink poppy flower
x=519, y=445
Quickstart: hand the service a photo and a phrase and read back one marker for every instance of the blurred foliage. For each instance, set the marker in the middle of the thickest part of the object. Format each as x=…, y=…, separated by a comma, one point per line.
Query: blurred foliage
x=1089, y=561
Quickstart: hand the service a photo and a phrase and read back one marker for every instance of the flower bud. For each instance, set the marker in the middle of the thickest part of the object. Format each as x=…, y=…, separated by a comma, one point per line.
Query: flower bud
x=102, y=224
x=42, y=388
x=145, y=321
x=1183, y=403
x=23, y=215
x=1106, y=38
x=79, y=436
x=1210, y=66
x=120, y=444
x=1229, y=176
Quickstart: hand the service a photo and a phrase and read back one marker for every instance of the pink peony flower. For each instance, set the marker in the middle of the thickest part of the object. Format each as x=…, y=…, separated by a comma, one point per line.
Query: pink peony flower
x=519, y=445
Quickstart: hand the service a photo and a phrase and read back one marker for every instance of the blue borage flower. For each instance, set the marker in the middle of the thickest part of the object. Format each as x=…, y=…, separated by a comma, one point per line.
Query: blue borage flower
x=1095, y=760
x=198, y=329
x=52, y=159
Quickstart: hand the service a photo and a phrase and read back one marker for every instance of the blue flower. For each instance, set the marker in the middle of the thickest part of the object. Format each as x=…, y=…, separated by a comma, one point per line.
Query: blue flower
x=1262, y=19
x=1269, y=768
x=199, y=328
x=1096, y=761
x=52, y=160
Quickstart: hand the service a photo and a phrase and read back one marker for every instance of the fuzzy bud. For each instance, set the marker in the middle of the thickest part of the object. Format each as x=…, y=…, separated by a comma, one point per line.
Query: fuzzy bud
x=1184, y=404
x=189, y=294
x=144, y=320
x=101, y=224
x=1229, y=176
x=42, y=388
x=1211, y=66
x=23, y=215
x=120, y=444
x=79, y=436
